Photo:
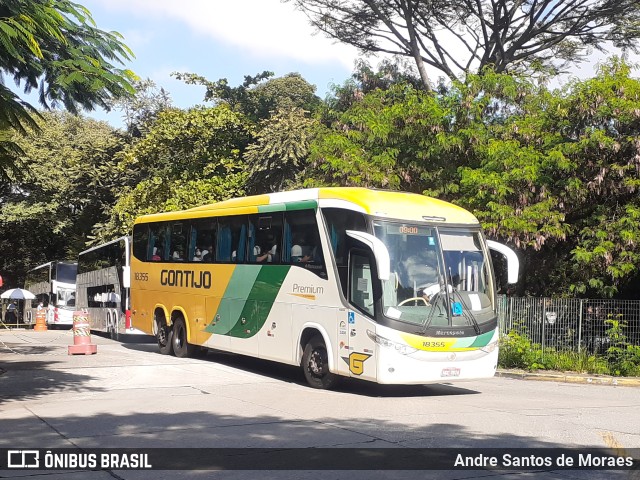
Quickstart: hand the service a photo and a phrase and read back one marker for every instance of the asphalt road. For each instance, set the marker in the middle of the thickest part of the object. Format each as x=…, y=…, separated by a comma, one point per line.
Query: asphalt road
x=129, y=396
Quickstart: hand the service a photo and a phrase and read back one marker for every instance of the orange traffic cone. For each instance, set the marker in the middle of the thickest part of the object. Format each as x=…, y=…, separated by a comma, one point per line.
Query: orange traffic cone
x=82, y=335
x=41, y=321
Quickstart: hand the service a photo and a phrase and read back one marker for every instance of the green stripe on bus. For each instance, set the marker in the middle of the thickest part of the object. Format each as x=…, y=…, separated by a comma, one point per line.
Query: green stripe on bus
x=302, y=205
x=234, y=299
x=483, y=340
x=464, y=342
x=281, y=207
x=260, y=301
x=274, y=207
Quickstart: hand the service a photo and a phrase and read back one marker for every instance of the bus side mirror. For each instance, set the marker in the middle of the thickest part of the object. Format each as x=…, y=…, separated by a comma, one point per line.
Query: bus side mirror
x=513, y=264
x=379, y=249
x=126, y=277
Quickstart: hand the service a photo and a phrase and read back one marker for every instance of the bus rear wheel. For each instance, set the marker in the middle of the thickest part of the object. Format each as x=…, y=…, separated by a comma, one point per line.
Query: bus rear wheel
x=164, y=335
x=181, y=347
x=315, y=365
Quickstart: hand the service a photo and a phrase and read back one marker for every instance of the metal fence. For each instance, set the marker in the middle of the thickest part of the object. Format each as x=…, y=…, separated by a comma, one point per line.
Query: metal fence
x=569, y=323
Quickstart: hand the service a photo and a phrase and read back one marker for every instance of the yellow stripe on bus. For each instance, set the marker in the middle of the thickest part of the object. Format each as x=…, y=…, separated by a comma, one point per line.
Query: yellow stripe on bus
x=407, y=206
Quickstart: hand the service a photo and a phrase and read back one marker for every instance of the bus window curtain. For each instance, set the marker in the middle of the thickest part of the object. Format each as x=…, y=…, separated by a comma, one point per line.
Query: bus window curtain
x=223, y=250
x=288, y=243
x=252, y=242
x=192, y=243
x=151, y=245
x=242, y=244
x=166, y=249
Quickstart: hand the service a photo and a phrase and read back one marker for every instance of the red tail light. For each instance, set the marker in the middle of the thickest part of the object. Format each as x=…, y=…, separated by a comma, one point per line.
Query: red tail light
x=55, y=314
x=127, y=319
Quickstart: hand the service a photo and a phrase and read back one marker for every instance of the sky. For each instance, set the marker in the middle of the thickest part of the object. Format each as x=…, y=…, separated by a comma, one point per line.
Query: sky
x=219, y=39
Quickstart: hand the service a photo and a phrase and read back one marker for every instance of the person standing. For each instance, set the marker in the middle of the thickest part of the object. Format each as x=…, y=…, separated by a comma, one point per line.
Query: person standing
x=12, y=313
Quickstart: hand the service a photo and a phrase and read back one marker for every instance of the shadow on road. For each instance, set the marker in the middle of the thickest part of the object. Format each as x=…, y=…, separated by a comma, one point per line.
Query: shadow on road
x=293, y=374
x=28, y=380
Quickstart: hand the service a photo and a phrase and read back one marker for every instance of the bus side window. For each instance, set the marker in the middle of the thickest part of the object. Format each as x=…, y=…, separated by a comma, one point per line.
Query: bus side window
x=361, y=284
x=203, y=240
x=265, y=235
x=232, y=239
x=141, y=241
x=179, y=241
x=158, y=242
x=338, y=221
x=302, y=246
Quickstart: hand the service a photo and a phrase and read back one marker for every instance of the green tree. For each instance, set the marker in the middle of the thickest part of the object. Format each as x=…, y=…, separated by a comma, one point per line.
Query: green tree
x=55, y=48
x=468, y=35
x=141, y=110
x=187, y=158
x=554, y=173
x=559, y=177
x=280, y=111
x=260, y=95
x=366, y=79
x=399, y=138
x=69, y=180
x=279, y=152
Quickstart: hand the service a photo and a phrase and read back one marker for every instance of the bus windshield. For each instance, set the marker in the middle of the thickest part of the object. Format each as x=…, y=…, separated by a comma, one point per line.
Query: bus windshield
x=440, y=276
x=66, y=297
x=66, y=272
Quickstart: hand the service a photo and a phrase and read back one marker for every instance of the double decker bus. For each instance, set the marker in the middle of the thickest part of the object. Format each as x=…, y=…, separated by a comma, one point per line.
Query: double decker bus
x=390, y=287
x=102, y=287
x=54, y=285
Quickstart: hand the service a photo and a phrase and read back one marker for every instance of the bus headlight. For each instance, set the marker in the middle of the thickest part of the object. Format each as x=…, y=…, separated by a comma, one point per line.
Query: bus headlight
x=403, y=349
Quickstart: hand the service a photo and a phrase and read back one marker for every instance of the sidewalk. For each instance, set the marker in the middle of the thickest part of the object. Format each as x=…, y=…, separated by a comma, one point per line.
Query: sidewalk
x=570, y=377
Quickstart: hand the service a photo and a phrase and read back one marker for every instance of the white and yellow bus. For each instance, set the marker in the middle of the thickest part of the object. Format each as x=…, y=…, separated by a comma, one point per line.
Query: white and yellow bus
x=391, y=287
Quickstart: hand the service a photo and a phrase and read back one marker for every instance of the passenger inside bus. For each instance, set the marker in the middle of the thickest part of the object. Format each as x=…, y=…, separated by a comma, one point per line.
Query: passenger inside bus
x=269, y=252
x=157, y=254
x=297, y=254
x=301, y=252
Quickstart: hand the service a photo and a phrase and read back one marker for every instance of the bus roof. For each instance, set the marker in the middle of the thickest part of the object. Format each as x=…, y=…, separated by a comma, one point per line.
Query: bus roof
x=48, y=264
x=382, y=203
x=96, y=247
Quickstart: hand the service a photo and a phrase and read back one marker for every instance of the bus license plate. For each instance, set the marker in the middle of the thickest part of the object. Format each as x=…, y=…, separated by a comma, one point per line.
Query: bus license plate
x=450, y=372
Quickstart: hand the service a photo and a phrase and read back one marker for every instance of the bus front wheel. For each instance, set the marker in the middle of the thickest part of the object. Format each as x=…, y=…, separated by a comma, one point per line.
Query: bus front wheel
x=181, y=347
x=315, y=364
x=164, y=334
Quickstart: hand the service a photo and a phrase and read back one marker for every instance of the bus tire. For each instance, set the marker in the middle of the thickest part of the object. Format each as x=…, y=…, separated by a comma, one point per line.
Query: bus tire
x=181, y=347
x=315, y=365
x=164, y=335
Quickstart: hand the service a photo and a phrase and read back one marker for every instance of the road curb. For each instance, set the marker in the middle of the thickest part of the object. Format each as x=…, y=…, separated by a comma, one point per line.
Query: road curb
x=571, y=378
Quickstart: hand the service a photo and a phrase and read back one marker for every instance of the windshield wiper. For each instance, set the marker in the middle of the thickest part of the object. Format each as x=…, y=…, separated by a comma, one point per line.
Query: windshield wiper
x=466, y=314
x=465, y=309
x=435, y=299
